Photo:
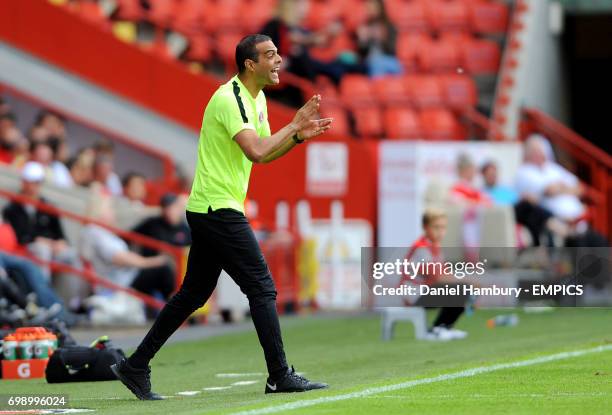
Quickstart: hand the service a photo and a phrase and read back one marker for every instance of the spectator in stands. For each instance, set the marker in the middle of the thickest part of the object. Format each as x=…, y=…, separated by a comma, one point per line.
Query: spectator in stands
x=5, y=108
x=55, y=172
x=103, y=169
x=10, y=136
x=499, y=193
x=40, y=232
x=81, y=167
x=28, y=279
x=60, y=173
x=54, y=123
x=169, y=227
x=38, y=134
x=464, y=192
x=376, y=41
x=294, y=41
x=535, y=218
x=135, y=187
x=541, y=180
x=112, y=258
x=427, y=249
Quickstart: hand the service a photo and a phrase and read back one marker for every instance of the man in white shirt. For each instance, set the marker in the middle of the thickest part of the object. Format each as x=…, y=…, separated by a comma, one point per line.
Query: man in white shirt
x=545, y=182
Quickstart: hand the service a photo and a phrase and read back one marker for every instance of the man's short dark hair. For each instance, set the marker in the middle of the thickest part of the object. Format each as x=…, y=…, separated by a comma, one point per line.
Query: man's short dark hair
x=247, y=49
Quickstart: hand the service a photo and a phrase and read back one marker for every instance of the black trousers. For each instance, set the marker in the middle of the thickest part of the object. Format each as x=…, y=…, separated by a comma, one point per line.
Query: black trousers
x=451, y=307
x=155, y=280
x=222, y=239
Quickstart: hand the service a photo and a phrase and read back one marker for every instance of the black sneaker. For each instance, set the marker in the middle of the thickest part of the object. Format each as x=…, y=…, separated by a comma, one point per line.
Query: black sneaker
x=137, y=380
x=292, y=382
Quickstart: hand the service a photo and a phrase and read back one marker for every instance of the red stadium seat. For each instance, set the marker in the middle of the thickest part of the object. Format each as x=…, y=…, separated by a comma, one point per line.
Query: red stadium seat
x=225, y=47
x=368, y=121
x=481, y=56
x=356, y=90
x=321, y=14
x=221, y=16
x=488, y=17
x=425, y=90
x=440, y=124
x=402, y=122
x=459, y=91
x=448, y=15
x=189, y=16
x=199, y=48
x=255, y=16
x=409, y=46
x=408, y=15
x=93, y=13
x=161, y=12
x=338, y=113
x=390, y=90
x=130, y=10
x=341, y=43
x=354, y=13
x=439, y=56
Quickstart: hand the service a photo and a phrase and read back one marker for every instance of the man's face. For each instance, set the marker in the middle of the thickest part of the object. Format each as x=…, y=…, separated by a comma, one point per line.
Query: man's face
x=436, y=229
x=490, y=175
x=268, y=63
x=30, y=189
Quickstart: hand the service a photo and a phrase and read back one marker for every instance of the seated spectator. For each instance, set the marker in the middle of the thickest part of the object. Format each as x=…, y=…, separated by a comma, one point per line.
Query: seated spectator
x=135, y=187
x=81, y=167
x=52, y=122
x=534, y=218
x=376, y=41
x=103, y=169
x=55, y=173
x=46, y=304
x=41, y=233
x=112, y=258
x=464, y=192
x=294, y=41
x=38, y=134
x=499, y=193
x=10, y=137
x=169, y=227
x=544, y=182
x=60, y=173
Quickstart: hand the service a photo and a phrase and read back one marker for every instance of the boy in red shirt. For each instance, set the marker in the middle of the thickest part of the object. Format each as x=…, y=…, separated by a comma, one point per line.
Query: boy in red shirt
x=427, y=249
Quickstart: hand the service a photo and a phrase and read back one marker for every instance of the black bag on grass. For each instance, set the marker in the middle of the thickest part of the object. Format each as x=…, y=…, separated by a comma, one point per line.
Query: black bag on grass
x=82, y=364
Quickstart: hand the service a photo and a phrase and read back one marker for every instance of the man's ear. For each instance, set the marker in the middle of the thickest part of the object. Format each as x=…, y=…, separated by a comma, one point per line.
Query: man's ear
x=249, y=64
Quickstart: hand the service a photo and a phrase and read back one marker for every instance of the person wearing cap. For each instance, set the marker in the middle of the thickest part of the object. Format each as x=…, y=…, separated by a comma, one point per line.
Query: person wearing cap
x=38, y=232
x=169, y=227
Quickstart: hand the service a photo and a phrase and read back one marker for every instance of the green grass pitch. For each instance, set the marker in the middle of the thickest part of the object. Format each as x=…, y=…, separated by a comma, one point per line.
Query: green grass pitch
x=347, y=353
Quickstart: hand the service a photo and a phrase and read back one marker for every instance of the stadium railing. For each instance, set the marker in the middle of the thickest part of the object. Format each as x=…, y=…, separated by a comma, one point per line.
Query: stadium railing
x=596, y=163
x=174, y=252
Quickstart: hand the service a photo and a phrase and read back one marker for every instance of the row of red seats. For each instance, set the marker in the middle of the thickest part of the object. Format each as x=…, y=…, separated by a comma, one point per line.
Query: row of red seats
x=210, y=16
x=419, y=51
x=398, y=122
x=477, y=16
x=422, y=91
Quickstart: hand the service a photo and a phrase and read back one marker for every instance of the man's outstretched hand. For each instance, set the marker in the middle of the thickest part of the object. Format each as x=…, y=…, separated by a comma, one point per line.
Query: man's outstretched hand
x=315, y=128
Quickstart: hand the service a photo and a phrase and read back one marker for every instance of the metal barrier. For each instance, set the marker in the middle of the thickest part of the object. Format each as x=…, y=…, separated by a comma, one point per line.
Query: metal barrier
x=175, y=252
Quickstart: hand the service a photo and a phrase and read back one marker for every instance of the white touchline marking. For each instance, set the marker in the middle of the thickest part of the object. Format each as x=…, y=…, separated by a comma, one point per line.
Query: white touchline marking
x=412, y=383
x=188, y=393
x=244, y=383
x=216, y=388
x=239, y=375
